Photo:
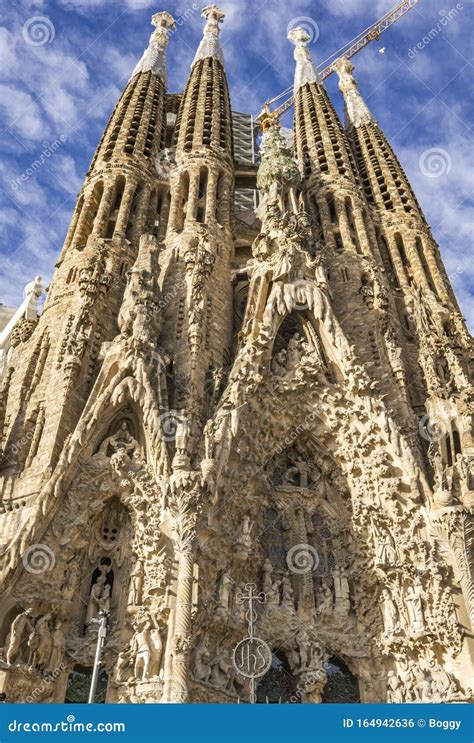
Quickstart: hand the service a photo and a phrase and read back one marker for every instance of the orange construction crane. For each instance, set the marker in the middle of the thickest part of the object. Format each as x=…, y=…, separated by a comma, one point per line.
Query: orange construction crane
x=267, y=117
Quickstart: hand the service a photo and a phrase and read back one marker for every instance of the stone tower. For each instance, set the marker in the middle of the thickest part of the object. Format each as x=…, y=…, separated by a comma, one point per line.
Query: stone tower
x=208, y=402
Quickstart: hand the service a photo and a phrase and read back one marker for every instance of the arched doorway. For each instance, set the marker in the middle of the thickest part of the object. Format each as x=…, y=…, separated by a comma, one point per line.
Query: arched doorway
x=278, y=686
x=342, y=686
x=79, y=684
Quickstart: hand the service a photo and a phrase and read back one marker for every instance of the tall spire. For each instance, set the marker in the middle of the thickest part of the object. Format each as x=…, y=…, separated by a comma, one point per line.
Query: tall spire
x=210, y=44
x=154, y=56
x=306, y=71
x=357, y=112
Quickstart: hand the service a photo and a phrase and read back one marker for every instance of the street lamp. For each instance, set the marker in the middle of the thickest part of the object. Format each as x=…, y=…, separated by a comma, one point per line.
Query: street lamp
x=102, y=634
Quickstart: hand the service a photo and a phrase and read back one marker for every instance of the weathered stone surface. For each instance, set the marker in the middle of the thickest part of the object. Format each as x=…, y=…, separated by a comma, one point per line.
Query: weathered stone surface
x=195, y=411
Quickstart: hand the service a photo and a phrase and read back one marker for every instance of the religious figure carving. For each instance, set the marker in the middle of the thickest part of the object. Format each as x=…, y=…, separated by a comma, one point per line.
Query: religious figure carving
x=415, y=608
x=202, y=669
x=40, y=643
x=385, y=550
x=341, y=590
x=121, y=441
x=325, y=603
x=21, y=625
x=99, y=599
x=390, y=613
x=225, y=585
x=58, y=644
x=136, y=583
x=395, y=689
x=304, y=647
x=147, y=649
x=244, y=539
x=123, y=666
x=273, y=595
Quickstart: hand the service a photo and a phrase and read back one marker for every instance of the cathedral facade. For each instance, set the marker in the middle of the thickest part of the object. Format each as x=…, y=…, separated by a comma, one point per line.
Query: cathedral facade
x=227, y=417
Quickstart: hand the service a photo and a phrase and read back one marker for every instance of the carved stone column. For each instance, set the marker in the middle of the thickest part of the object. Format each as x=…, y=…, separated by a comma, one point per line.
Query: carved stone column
x=182, y=630
x=343, y=221
x=193, y=196
x=211, y=203
x=104, y=211
x=124, y=211
x=185, y=502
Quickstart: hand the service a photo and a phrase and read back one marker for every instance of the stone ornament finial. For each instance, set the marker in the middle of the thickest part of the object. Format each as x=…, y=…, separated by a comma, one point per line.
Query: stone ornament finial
x=210, y=44
x=35, y=288
x=154, y=56
x=306, y=71
x=357, y=112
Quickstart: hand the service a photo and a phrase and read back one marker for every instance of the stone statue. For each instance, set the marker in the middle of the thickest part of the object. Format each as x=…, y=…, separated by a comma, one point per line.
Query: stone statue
x=99, y=598
x=104, y=599
x=202, y=669
x=385, y=552
x=182, y=432
x=304, y=647
x=325, y=604
x=147, y=649
x=415, y=608
x=225, y=584
x=40, y=643
x=122, y=441
x=209, y=438
x=394, y=689
x=123, y=665
x=390, y=613
x=244, y=539
x=69, y=582
x=298, y=473
x=273, y=596
x=295, y=350
x=288, y=594
x=279, y=363
x=136, y=583
x=21, y=625
x=58, y=642
x=341, y=591
x=221, y=668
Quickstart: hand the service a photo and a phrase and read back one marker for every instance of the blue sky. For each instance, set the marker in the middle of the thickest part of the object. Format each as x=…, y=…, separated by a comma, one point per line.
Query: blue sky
x=61, y=76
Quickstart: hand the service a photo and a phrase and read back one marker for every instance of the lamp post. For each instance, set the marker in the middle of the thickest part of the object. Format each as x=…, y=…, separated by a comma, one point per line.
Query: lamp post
x=102, y=634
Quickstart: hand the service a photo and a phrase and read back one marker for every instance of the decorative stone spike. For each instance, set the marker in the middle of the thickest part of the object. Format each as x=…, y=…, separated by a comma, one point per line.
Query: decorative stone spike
x=357, y=112
x=306, y=71
x=210, y=45
x=154, y=56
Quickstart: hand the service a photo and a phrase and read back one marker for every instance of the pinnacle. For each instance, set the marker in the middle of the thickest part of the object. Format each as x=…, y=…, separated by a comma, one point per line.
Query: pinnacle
x=357, y=112
x=299, y=36
x=306, y=71
x=163, y=19
x=210, y=44
x=154, y=56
